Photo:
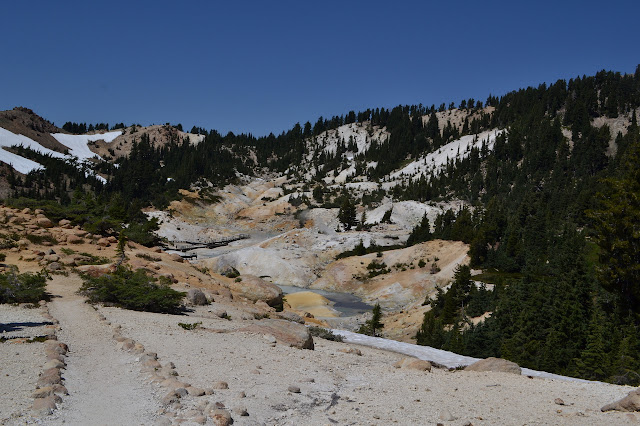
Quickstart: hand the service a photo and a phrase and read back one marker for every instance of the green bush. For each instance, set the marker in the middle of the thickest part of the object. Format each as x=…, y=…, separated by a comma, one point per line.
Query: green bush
x=324, y=333
x=39, y=239
x=22, y=288
x=189, y=326
x=133, y=290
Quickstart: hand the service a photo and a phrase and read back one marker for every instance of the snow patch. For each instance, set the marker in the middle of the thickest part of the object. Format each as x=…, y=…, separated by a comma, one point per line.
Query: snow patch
x=21, y=164
x=427, y=353
x=78, y=144
x=436, y=161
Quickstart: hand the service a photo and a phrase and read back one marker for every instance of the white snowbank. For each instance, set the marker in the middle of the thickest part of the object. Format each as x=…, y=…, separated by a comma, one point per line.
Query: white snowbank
x=448, y=359
x=78, y=144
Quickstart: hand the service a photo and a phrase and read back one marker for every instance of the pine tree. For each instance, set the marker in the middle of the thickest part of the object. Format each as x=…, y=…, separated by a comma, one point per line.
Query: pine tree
x=347, y=214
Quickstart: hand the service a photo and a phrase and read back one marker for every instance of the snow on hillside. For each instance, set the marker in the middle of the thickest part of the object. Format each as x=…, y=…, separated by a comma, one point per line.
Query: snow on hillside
x=21, y=164
x=408, y=214
x=78, y=144
x=448, y=359
x=437, y=160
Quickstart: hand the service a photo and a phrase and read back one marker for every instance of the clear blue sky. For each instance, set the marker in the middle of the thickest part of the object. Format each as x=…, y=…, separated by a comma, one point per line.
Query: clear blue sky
x=262, y=66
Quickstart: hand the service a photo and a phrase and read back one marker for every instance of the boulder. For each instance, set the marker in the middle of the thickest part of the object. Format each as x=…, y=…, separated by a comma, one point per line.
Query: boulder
x=45, y=406
x=103, y=242
x=43, y=222
x=496, y=365
x=65, y=223
x=96, y=270
x=255, y=289
x=290, y=316
x=74, y=239
x=195, y=296
x=631, y=402
x=285, y=332
x=52, y=258
x=54, y=266
x=221, y=417
x=176, y=258
x=413, y=364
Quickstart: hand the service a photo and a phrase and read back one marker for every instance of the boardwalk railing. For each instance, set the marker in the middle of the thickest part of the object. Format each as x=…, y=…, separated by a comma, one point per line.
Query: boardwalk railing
x=184, y=246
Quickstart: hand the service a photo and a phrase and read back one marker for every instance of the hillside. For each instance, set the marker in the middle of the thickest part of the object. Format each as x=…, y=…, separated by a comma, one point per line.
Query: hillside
x=503, y=228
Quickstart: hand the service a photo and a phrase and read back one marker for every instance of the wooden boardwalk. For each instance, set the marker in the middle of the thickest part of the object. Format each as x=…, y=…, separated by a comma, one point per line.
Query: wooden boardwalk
x=185, y=246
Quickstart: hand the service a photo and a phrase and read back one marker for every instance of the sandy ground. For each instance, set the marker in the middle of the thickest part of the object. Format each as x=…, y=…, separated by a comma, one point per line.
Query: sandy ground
x=98, y=376
x=344, y=388
x=336, y=387
x=21, y=362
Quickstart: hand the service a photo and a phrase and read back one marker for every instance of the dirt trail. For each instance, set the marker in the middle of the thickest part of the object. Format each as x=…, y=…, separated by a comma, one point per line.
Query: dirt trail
x=104, y=383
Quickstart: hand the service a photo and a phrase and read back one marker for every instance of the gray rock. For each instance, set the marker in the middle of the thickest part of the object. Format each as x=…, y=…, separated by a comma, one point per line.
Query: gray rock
x=196, y=297
x=446, y=416
x=294, y=389
x=54, y=266
x=221, y=385
x=241, y=411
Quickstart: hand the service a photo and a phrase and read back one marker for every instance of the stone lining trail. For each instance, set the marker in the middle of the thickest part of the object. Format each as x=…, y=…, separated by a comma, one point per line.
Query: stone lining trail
x=104, y=383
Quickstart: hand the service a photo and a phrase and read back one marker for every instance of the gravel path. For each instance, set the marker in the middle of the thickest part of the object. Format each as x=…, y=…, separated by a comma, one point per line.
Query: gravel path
x=105, y=385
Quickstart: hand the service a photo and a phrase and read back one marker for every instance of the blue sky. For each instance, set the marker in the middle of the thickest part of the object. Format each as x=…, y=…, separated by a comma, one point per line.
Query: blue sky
x=260, y=67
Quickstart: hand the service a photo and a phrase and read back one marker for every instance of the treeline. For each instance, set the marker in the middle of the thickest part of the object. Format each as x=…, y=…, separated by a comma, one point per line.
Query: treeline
x=80, y=128
x=552, y=219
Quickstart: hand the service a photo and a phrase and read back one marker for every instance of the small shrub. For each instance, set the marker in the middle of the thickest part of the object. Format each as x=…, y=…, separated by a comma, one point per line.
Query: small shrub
x=189, y=326
x=233, y=273
x=225, y=316
x=132, y=290
x=325, y=333
x=376, y=269
x=148, y=257
x=3, y=257
x=238, y=279
x=39, y=239
x=67, y=251
x=93, y=260
x=8, y=241
x=422, y=263
x=22, y=288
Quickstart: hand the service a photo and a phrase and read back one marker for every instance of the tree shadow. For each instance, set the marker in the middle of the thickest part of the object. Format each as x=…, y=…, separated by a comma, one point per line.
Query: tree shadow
x=18, y=326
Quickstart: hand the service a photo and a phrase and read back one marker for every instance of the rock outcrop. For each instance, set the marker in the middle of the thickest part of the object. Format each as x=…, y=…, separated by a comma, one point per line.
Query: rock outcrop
x=195, y=296
x=631, y=402
x=285, y=332
x=496, y=365
x=256, y=289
